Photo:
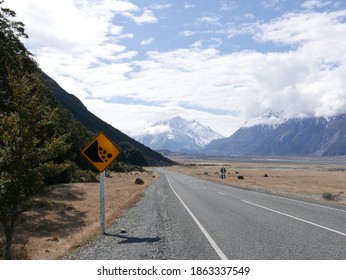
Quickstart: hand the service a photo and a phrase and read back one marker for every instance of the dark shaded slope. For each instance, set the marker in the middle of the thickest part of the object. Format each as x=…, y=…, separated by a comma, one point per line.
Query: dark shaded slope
x=244, y=141
x=309, y=136
x=94, y=124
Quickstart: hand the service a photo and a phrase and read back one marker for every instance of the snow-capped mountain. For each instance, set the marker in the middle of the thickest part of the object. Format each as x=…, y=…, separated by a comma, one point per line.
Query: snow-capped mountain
x=299, y=136
x=178, y=135
x=248, y=137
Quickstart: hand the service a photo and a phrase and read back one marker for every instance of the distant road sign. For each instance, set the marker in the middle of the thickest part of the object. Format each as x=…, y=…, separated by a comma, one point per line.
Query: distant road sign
x=223, y=170
x=100, y=152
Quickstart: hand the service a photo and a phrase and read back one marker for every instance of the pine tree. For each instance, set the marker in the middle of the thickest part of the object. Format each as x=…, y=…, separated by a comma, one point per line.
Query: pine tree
x=31, y=140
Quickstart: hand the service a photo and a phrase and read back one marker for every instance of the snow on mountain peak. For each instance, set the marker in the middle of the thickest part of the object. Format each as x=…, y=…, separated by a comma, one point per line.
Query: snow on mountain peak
x=178, y=134
x=268, y=118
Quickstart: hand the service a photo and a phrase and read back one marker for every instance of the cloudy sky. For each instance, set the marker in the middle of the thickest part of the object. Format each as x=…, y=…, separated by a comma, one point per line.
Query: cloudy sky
x=219, y=62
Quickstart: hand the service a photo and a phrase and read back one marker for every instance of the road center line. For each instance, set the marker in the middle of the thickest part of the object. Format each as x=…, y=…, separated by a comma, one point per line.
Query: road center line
x=221, y=193
x=201, y=227
x=296, y=218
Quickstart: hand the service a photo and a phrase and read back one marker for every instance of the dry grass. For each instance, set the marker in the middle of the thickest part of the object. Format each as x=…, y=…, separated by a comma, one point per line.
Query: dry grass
x=69, y=214
x=304, y=180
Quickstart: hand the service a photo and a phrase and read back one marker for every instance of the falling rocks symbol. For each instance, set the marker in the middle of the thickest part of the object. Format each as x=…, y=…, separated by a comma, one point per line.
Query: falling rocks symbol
x=104, y=155
x=96, y=153
x=100, y=152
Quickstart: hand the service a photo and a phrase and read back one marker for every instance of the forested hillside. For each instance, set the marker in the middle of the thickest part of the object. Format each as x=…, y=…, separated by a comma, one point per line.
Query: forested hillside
x=39, y=140
x=132, y=152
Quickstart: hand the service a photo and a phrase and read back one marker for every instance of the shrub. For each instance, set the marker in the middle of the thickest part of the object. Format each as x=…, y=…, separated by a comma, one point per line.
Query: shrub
x=329, y=196
x=122, y=167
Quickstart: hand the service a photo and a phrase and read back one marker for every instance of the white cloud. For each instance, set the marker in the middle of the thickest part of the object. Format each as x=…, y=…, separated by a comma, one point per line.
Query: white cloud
x=311, y=4
x=271, y=4
x=187, y=33
x=147, y=17
x=161, y=6
x=115, y=5
x=68, y=24
x=116, y=30
x=188, y=6
x=228, y=5
x=320, y=50
x=236, y=30
x=239, y=85
x=301, y=28
x=249, y=16
x=87, y=57
x=213, y=20
x=155, y=130
x=126, y=36
x=147, y=41
x=44, y=24
x=197, y=44
x=136, y=119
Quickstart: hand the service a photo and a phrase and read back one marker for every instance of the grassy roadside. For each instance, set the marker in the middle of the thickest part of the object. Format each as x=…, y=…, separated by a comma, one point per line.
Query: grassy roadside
x=69, y=214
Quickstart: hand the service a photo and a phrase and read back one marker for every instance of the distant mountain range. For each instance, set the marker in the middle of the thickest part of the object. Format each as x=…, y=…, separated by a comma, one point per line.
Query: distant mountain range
x=94, y=124
x=299, y=136
x=268, y=134
x=178, y=135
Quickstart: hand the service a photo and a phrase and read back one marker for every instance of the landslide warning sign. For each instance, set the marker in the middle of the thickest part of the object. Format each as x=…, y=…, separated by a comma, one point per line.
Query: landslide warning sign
x=100, y=152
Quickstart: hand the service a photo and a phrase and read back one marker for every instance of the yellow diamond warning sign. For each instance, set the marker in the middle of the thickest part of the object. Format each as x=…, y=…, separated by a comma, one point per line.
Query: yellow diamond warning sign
x=100, y=152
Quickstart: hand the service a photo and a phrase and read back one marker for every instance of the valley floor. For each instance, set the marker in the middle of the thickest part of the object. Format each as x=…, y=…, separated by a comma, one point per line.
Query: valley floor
x=315, y=178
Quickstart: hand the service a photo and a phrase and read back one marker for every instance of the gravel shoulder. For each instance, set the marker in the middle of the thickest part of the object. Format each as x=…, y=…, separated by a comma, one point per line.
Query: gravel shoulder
x=151, y=230
x=135, y=235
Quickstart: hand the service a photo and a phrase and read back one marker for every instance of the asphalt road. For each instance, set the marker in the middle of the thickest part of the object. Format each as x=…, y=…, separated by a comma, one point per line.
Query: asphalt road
x=183, y=217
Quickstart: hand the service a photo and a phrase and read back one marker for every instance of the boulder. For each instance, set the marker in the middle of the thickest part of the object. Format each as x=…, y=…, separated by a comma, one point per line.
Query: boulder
x=139, y=181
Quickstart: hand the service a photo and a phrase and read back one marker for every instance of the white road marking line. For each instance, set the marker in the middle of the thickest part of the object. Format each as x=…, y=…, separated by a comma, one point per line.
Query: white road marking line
x=221, y=193
x=201, y=227
x=308, y=203
x=296, y=218
x=295, y=200
x=290, y=199
x=205, y=188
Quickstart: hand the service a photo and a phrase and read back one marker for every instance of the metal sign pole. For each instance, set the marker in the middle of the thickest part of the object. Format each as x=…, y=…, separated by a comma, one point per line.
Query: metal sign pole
x=101, y=152
x=102, y=202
